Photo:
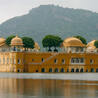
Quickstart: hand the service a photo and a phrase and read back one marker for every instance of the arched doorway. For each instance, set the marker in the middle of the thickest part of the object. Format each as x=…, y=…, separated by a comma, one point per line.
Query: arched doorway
x=43, y=70
x=56, y=70
x=81, y=70
x=77, y=70
x=62, y=70
x=86, y=70
x=67, y=70
x=50, y=69
x=97, y=70
x=18, y=70
x=72, y=70
x=36, y=70
x=92, y=69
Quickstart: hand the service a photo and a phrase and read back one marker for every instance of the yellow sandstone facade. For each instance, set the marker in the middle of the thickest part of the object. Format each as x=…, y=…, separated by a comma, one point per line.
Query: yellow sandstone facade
x=74, y=57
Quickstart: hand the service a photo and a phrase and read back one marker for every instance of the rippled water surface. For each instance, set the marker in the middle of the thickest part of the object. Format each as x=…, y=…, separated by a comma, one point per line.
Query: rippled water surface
x=41, y=88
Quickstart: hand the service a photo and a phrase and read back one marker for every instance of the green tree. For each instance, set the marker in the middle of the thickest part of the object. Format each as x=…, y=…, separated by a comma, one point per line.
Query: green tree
x=82, y=39
x=96, y=43
x=51, y=41
x=57, y=42
x=28, y=42
x=48, y=42
x=8, y=39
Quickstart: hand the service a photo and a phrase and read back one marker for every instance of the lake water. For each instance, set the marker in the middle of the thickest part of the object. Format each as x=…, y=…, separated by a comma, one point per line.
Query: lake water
x=13, y=87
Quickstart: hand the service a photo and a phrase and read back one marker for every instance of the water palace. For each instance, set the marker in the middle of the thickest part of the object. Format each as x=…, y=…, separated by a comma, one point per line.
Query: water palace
x=74, y=57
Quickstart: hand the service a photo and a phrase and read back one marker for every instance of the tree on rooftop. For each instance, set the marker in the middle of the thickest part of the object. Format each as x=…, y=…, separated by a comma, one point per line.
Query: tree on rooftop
x=51, y=41
x=82, y=39
x=8, y=39
x=28, y=42
x=57, y=42
x=48, y=42
x=96, y=43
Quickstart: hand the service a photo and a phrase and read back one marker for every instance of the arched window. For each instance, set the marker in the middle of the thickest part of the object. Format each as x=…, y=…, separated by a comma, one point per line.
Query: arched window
x=50, y=69
x=56, y=70
x=91, y=61
x=72, y=70
x=55, y=61
x=77, y=70
x=81, y=70
x=43, y=70
x=42, y=60
x=62, y=70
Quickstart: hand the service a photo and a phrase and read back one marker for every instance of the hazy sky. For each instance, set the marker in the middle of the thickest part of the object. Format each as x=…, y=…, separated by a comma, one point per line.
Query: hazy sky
x=11, y=8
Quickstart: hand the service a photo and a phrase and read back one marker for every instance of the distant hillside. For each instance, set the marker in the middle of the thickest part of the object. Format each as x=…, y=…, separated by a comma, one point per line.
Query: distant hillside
x=49, y=19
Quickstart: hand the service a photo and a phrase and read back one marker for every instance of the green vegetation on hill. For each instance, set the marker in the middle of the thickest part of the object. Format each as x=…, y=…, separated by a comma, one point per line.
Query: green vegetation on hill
x=53, y=20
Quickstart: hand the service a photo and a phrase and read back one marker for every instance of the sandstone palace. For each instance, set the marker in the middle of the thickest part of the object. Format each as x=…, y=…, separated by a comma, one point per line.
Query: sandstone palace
x=74, y=57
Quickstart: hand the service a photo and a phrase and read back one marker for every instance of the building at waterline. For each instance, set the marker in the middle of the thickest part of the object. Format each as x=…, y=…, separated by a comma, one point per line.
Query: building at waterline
x=74, y=57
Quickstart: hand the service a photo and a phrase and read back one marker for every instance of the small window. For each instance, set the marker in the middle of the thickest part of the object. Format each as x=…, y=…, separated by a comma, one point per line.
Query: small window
x=91, y=61
x=81, y=49
x=77, y=49
x=18, y=61
x=72, y=60
x=55, y=61
x=81, y=60
x=77, y=60
x=42, y=60
x=63, y=61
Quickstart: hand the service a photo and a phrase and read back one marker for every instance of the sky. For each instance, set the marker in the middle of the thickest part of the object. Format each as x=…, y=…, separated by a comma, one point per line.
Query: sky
x=12, y=8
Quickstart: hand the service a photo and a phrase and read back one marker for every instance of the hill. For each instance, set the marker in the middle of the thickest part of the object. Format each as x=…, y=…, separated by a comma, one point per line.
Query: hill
x=50, y=19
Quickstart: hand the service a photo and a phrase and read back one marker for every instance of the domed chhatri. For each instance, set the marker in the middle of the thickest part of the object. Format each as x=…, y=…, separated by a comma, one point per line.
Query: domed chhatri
x=91, y=44
x=16, y=44
x=72, y=42
x=16, y=41
x=2, y=41
x=36, y=45
x=91, y=47
x=73, y=45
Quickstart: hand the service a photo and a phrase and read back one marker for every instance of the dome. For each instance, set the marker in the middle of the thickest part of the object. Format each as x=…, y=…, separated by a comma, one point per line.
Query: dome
x=16, y=41
x=73, y=42
x=36, y=46
x=2, y=41
x=91, y=45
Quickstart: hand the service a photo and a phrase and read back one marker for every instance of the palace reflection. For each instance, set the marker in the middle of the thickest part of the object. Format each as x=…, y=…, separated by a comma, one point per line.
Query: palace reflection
x=24, y=88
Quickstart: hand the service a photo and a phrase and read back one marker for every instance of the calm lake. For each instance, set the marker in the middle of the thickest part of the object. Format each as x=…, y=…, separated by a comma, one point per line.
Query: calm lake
x=46, y=88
